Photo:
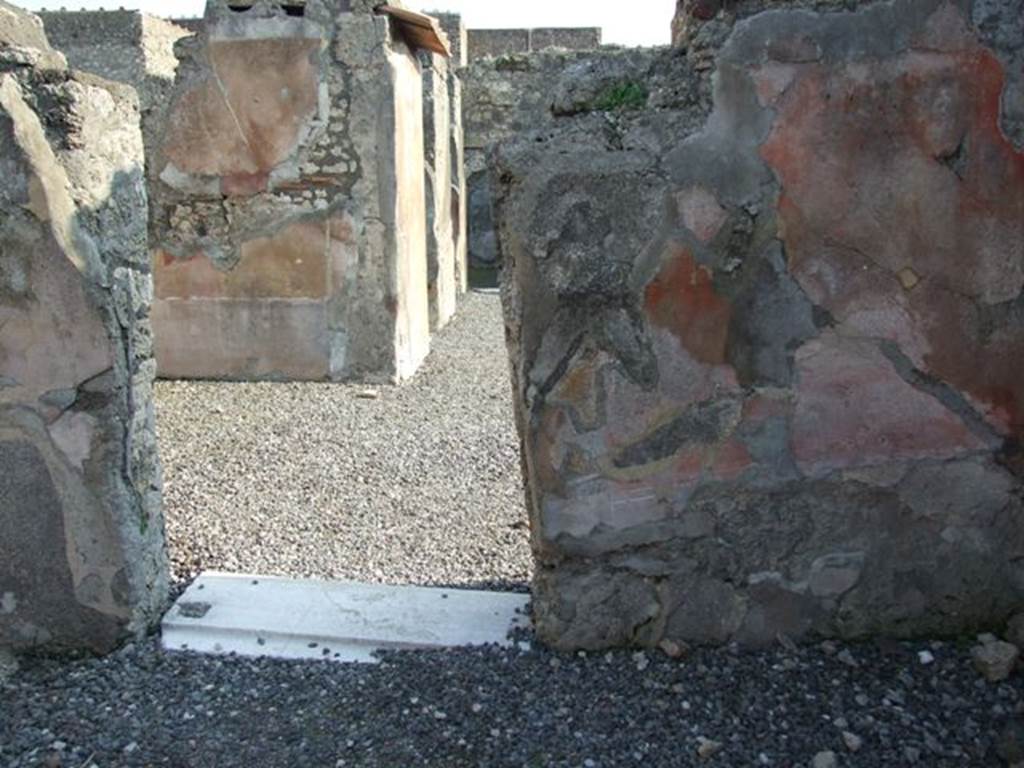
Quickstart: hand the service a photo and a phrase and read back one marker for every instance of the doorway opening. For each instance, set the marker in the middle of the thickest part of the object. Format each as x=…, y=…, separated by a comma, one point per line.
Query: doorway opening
x=412, y=484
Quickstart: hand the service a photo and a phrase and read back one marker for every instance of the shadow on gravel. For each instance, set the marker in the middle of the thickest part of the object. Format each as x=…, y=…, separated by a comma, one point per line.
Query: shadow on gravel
x=489, y=585
x=872, y=706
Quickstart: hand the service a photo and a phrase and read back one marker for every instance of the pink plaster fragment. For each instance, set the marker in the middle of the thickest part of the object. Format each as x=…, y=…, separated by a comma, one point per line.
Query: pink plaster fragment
x=700, y=212
x=853, y=409
x=73, y=433
x=772, y=80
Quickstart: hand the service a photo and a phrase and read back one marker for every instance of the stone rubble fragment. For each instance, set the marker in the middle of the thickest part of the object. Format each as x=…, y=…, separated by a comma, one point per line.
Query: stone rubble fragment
x=672, y=649
x=847, y=658
x=852, y=741
x=707, y=748
x=994, y=659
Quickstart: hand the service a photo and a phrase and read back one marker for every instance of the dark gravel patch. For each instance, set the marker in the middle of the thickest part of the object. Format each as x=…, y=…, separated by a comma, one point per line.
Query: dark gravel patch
x=491, y=707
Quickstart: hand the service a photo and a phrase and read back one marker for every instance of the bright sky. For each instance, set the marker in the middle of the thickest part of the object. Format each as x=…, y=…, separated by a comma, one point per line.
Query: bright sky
x=640, y=22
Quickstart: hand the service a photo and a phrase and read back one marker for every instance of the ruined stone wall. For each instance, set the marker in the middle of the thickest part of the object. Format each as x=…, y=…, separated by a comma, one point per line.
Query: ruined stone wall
x=509, y=95
x=767, y=349
x=126, y=46
x=485, y=43
x=290, y=212
x=515, y=80
x=405, y=209
x=442, y=288
x=102, y=42
x=193, y=25
x=458, y=45
x=458, y=37
x=82, y=558
x=460, y=193
x=565, y=38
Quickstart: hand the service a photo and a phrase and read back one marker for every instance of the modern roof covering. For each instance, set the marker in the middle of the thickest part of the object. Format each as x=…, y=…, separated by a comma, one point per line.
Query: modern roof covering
x=419, y=30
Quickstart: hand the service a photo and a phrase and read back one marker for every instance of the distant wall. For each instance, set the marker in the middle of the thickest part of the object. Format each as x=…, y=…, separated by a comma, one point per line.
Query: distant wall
x=287, y=195
x=102, y=42
x=269, y=177
x=126, y=46
x=501, y=42
x=516, y=92
x=567, y=38
x=497, y=42
x=458, y=37
x=442, y=232
x=192, y=25
x=458, y=45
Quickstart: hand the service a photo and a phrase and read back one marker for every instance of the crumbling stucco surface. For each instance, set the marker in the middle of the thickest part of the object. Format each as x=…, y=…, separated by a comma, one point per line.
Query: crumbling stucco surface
x=290, y=232
x=442, y=286
x=456, y=32
x=82, y=555
x=445, y=179
x=767, y=357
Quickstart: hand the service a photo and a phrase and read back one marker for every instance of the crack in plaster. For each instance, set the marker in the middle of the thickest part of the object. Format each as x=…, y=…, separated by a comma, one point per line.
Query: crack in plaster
x=224, y=95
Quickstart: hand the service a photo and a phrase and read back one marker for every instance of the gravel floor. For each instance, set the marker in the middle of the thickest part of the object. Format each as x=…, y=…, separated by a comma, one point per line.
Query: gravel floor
x=511, y=708
x=421, y=485
x=302, y=479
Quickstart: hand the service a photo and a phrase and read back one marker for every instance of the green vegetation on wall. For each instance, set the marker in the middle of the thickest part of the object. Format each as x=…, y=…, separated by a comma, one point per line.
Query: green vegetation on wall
x=621, y=96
